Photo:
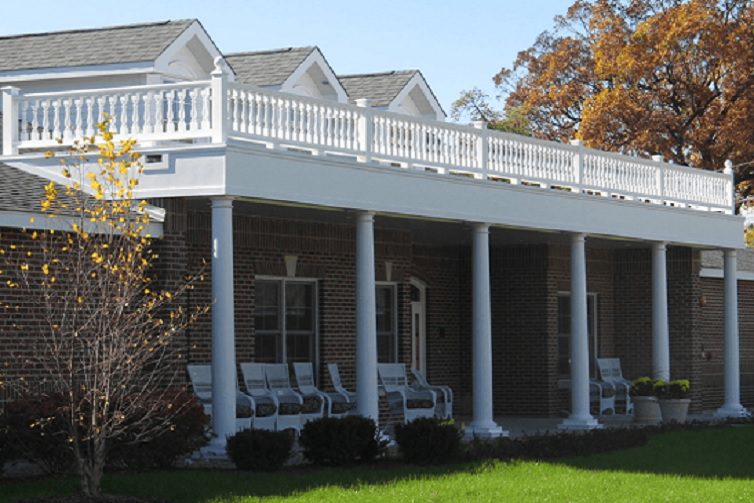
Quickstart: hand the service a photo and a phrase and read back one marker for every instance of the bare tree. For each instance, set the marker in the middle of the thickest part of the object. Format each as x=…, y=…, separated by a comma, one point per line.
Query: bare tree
x=104, y=339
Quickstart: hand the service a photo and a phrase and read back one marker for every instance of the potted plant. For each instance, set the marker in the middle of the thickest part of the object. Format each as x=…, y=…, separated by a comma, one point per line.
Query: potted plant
x=674, y=400
x=646, y=406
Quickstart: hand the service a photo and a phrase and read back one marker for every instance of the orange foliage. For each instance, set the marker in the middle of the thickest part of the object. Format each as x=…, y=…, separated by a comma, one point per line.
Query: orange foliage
x=665, y=77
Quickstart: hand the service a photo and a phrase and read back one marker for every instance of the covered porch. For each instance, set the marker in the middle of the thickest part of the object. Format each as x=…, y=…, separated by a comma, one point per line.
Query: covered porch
x=502, y=315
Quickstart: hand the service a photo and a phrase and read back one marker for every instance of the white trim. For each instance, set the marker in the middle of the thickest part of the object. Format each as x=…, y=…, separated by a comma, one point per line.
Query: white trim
x=21, y=220
x=315, y=58
x=77, y=72
x=163, y=61
x=594, y=321
x=711, y=272
x=417, y=81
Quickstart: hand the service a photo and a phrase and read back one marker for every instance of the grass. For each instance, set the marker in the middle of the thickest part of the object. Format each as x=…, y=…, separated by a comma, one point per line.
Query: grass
x=708, y=465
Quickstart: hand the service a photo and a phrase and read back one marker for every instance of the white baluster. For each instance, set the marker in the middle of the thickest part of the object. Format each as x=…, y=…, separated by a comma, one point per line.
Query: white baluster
x=89, y=131
x=56, y=125
x=78, y=131
x=171, y=126
x=182, y=110
x=148, y=100
x=25, y=133
x=135, y=119
x=206, y=124
x=193, y=118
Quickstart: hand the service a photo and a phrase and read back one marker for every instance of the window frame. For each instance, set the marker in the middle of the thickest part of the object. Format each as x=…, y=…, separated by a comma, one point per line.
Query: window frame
x=393, y=285
x=594, y=321
x=283, y=330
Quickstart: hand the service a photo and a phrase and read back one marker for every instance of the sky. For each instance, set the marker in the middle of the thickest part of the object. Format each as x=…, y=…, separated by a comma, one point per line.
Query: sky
x=456, y=44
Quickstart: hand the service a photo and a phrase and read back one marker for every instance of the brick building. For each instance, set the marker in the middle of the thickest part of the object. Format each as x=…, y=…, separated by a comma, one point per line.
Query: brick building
x=346, y=222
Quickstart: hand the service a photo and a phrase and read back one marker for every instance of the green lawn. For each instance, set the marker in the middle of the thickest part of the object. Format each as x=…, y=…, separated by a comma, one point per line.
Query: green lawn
x=710, y=465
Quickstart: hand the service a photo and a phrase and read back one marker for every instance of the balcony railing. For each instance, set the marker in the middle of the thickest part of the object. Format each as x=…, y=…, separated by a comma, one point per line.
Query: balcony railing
x=216, y=110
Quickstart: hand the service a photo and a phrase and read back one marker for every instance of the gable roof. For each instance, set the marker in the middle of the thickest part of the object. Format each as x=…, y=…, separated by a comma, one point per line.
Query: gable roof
x=380, y=88
x=267, y=68
x=97, y=46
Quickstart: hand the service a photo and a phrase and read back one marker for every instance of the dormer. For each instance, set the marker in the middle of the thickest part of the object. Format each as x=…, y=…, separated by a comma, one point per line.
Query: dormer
x=400, y=91
x=139, y=54
x=296, y=70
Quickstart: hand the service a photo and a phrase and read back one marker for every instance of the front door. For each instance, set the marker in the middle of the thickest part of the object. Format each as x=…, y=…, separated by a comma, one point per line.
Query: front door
x=418, y=327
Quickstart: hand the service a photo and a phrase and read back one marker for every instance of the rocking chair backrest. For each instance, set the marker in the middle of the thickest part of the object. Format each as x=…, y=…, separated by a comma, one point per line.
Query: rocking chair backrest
x=254, y=379
x=304, y=376
x=392, y=376
x=201, y=381
x=332, y=369
x=277, y=376
x=609, y=369
x=420, y=379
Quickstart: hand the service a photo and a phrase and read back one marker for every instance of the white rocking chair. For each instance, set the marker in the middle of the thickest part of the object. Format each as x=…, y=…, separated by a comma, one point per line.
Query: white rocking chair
x=332, y=369
x=401, y=397
x=279, y=382
x=610, y=371
x=201, y=382
x=443, y=394
x=288, y=408
x=335, y=404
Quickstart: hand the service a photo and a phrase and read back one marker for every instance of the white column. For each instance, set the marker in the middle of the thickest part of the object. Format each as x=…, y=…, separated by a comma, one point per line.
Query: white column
x=366, y=319
x=580, y=418
x=660, y=331
x=732, y=406
x=483, y=423
x=223, y=327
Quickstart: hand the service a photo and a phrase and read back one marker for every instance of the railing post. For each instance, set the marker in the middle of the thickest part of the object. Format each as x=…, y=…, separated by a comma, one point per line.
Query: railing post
x=219, y=87
x=660, y=177
x=365, y=129
x=10, y=120
x=482, y=147
x=731, y=185
x=578, y=165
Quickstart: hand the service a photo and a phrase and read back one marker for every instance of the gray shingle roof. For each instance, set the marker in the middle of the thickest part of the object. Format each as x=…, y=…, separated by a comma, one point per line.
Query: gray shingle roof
x=380, y=88
x=99, y=46
x=267, y=68
x=21, y=191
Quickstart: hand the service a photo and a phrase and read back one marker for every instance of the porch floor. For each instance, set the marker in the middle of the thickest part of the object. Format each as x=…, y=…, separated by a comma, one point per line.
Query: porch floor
x=519, y=426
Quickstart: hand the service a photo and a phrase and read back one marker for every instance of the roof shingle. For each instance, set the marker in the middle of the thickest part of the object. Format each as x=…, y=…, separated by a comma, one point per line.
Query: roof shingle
x=267, y=68
x=99, y=46
x=380, y=88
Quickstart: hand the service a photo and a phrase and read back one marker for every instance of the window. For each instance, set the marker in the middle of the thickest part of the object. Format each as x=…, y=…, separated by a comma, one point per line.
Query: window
x=387, y=323
x=564, y=333
x=285, y=320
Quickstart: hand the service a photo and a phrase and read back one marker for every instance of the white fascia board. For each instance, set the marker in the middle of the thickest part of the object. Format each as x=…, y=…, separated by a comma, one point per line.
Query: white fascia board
x=41, y=221
x=315, y=58
x=332, y=182
x=710, y=272
x=74, y=72
x=196, y=170
x=418, y=80
x=193, y=30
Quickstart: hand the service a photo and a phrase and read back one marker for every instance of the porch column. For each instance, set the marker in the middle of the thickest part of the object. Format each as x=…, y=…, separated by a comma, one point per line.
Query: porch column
x=483, y=423
x=223, y=327
x=366, y=319
x=580, y=418
x=732, y=406
x=660, y=331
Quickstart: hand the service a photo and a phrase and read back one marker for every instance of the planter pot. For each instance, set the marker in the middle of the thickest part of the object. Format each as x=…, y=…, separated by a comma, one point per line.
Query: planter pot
x=646, y=410
x=674, y=410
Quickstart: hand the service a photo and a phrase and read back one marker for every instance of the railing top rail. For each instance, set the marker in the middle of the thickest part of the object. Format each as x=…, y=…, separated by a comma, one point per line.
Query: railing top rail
x=116, y=90
x=292, y=97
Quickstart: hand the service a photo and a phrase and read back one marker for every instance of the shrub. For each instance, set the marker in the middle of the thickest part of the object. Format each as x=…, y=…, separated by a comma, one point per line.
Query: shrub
x=183, y=432
x=340, y=441
x=644, y=386
x=557, y=445
x=35, y=430
x=260, y=449
x=675, y=390
x=428, y=440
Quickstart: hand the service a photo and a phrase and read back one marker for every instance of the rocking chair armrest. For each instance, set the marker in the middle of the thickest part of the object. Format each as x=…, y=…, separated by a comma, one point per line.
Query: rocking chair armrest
x=412, y=393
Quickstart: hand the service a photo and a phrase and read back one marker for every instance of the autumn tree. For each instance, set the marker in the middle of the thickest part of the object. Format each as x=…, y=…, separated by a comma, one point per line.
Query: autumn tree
x=645, y=77
x=103, y=344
